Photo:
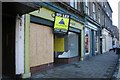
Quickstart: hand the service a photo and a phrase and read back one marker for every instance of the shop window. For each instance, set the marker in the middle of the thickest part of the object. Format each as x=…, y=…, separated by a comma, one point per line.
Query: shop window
x=71, y=46
x=96, y=39
x=87, y=40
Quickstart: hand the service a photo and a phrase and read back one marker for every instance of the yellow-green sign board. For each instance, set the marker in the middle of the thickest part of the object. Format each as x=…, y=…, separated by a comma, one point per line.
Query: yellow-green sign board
x=61, y=23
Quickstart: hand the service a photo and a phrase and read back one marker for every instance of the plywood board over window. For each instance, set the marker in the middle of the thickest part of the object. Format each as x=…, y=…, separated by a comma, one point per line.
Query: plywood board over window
x=41, y=45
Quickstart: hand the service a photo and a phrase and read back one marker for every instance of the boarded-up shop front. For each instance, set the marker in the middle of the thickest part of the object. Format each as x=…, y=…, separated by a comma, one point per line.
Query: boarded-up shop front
x=41, y=47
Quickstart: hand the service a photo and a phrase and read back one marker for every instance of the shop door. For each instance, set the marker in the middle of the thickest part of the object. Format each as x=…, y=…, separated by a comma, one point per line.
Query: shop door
x=41, y=45
x=93, y=43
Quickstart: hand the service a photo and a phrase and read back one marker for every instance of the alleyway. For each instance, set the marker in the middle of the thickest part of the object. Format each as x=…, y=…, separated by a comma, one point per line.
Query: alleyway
x=100, y=66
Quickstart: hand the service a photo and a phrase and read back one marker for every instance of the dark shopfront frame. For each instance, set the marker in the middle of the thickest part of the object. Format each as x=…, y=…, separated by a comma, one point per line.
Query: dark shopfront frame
x=74, y=58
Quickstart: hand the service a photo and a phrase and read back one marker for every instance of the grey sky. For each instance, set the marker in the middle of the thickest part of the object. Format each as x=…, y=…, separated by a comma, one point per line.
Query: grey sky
x=114, y=6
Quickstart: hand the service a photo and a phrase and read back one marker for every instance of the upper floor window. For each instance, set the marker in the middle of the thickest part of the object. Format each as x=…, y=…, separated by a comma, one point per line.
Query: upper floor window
x=108, y=14
x=98, y=0
x=111, y=18
x=105, y=6
x=79, y=6
x=72, y=3
x=99, y=16
x=86, y=7
x=102, y=4
x=75, y=4
x=94, y=11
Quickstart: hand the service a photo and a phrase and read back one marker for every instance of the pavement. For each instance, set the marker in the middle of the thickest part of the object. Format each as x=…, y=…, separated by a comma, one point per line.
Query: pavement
x=116, y=75
x=99, y=66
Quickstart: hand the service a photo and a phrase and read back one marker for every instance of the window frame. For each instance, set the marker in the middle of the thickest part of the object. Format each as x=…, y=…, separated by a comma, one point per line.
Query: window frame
x=94, y=11
x=87, y=7
x=72, y=3
x=99, y=21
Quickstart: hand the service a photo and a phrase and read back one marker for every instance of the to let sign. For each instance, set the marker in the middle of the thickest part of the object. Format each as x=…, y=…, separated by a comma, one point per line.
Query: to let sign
x=61, y=23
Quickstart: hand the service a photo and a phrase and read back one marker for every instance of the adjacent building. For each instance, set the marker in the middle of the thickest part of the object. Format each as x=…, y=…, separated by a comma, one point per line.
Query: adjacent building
x=13, y=36
x=106, y=35
x=92, y=28
x=115, y=39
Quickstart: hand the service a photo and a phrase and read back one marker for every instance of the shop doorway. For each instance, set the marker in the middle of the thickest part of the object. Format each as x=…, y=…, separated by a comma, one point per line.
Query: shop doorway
x=80, y=45
x=93, y=43
x=8, y=46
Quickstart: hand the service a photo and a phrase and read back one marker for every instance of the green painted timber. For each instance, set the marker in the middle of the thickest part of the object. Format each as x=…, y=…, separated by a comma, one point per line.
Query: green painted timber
x=27, y=45
x=82, y=44
x=47, y=14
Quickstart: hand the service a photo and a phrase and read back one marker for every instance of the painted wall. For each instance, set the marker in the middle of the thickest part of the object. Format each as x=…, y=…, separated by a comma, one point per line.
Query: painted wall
x=19, y=50
x=104, y=44
x=44, y=13
x=49, y=15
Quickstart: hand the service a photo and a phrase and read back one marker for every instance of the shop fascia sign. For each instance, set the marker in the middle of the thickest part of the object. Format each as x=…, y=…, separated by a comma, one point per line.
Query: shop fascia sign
x=92, y=26
x=61, y=23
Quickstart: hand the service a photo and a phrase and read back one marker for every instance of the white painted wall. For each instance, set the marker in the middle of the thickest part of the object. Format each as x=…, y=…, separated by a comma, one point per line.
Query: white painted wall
x=19, y=50
x=103, y=41
x=103, y=45
x=107, y=40
x=110, y=42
